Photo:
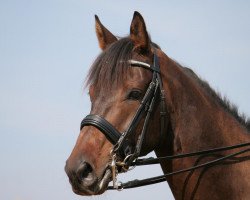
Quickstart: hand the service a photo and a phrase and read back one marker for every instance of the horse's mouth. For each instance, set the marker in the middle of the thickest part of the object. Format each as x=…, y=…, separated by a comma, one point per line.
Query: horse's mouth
x=103, y=183
x=98, y=187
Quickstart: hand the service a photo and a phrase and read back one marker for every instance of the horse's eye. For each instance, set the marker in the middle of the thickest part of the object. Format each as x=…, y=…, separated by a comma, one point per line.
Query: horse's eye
x=135, y=95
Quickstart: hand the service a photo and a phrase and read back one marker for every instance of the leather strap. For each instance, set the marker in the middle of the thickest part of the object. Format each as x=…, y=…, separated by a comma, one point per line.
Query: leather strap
x=157, y=179
x=103, y=125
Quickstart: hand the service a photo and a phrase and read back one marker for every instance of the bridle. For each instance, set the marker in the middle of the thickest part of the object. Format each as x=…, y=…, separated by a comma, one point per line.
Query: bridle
x=122, y=144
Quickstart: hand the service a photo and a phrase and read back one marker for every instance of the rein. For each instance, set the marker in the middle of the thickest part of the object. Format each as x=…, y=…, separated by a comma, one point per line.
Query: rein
x=122, y=145
x=162, y=178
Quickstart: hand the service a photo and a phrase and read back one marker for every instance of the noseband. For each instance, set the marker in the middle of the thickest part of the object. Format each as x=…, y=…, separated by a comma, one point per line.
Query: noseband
x=122, y=144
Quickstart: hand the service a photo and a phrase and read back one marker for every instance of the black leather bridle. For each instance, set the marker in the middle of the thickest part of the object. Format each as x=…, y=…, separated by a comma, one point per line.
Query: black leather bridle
x=121, y=142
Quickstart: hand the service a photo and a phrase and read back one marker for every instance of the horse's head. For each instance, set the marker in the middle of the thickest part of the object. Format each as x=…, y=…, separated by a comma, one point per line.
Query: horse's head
x=116, y=90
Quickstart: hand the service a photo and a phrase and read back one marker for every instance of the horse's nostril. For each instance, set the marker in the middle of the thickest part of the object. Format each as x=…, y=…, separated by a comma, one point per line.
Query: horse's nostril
x=85, y=174
x=84, y=170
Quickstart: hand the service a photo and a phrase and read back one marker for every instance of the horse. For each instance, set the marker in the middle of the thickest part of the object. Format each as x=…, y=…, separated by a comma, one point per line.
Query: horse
x=144, y=101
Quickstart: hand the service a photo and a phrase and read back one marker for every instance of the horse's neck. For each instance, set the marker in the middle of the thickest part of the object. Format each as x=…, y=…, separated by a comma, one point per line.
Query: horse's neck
x=198, y=122
x=197, y=117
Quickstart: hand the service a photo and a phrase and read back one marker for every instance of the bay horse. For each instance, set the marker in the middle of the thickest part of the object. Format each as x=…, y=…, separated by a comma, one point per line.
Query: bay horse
x=143, y=101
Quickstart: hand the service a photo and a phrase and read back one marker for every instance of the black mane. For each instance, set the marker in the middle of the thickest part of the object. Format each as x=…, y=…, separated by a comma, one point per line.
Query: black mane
x=109, y=69
x=223, y=101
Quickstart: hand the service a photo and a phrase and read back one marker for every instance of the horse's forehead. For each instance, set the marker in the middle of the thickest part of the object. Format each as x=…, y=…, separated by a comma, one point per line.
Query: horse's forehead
x=138, y=75
x=135, y=76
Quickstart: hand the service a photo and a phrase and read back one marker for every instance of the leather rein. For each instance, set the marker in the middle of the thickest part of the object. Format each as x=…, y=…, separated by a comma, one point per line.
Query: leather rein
x=122, y=145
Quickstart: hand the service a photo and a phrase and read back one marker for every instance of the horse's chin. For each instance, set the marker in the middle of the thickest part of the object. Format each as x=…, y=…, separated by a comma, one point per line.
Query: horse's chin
x=98, y=188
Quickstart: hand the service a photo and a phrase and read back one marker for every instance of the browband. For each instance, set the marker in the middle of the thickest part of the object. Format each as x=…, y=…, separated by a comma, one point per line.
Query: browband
x=143, y=64
x=135, y=62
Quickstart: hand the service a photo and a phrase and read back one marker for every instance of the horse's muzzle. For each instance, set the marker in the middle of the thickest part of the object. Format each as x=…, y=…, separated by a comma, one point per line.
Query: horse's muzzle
x=82, y=179
x=85, y=182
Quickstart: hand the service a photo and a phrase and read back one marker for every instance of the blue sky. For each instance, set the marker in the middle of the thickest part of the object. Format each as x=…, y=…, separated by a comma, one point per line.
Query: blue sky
x=46, y=48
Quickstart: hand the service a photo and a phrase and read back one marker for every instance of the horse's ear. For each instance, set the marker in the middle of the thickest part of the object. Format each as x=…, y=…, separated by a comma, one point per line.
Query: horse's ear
x=138, y=33
x=105, y=37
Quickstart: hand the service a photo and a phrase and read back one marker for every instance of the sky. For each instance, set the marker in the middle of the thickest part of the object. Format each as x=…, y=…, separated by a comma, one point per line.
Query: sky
x=46, y=49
